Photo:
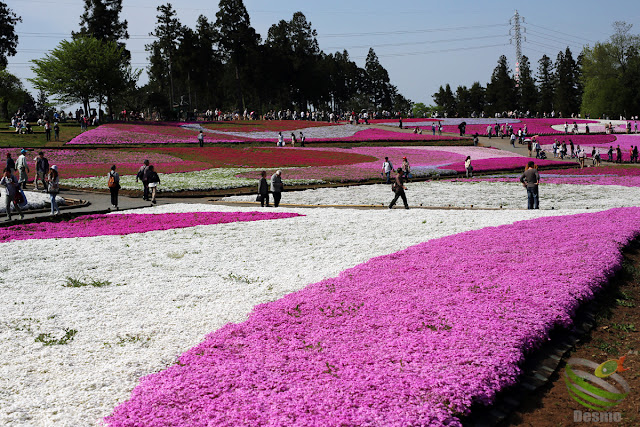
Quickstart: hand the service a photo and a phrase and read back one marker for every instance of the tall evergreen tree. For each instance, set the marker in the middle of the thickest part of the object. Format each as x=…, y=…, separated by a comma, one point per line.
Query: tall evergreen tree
x=101, y=19
x=477, y=98
x=463, y=101
x=445, y=100
x=163, y=50
x=379, y=83
x=8, y=36
x=237, y=41
x=527, y=90
x=566, y=96
x=546, y=85
x=501, y=90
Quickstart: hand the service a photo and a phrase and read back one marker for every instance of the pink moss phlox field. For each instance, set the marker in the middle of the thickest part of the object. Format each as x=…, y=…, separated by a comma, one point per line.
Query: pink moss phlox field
x=534, y=126
x=117, y=225
x=411, y=338
x=118, y=133
x=606, y=175
x=503, y=164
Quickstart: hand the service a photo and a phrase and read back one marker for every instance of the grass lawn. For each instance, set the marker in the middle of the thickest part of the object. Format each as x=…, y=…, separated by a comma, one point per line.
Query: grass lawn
x=9, y=138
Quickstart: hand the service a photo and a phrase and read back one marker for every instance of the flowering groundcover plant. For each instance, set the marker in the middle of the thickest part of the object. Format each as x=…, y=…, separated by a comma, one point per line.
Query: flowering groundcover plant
x=415, y=337
x=503, y=164
x=120, y=225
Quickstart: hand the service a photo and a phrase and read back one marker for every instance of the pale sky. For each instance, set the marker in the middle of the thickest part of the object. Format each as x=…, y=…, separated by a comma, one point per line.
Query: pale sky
x=423, y=44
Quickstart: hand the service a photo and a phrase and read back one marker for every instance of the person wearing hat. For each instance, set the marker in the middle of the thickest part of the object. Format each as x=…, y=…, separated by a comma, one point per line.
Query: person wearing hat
x=23, y=169
x=398, y=188
x=276, y=187
x=53, y=188
x=406, y=168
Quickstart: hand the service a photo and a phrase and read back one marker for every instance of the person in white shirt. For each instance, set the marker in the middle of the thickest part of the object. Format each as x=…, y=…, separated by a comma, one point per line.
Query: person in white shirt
x=387, y=167
x=23, y=169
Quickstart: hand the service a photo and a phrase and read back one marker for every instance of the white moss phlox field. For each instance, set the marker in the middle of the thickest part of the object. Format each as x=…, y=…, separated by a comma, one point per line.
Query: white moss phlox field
x=168, y=290
x=509, y=195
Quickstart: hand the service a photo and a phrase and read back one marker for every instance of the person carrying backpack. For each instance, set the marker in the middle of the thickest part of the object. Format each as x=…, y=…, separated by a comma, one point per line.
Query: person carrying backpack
x=113, y=182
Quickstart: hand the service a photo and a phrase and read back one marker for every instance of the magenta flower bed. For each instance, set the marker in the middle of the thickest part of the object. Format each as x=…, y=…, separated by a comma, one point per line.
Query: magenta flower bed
x=504, y=164
x=118, y=133
x=117, y=225
x=411, y=338
x=583, y=140
x=606, y=175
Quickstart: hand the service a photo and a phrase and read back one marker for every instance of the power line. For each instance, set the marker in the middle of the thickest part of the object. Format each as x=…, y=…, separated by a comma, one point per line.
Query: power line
x=560, y=32
x=393, y=55
x=414, y=43
x=555, y=40
x=389, y=33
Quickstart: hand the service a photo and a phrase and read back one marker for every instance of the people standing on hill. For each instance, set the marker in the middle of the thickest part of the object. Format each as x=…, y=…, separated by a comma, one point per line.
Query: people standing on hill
x=10, y=184
x=276, y=187
x=53, y=188
x=398, y=188
x=42, y=167
x=113, y=182
x=263, y=189
x=154, y=181
x=47, y=130
x=142, y=175
x=530, y=180
x=56, y=131
x=23, y=168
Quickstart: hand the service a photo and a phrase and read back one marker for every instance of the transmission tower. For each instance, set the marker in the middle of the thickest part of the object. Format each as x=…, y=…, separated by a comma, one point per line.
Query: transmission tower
x=516, y=37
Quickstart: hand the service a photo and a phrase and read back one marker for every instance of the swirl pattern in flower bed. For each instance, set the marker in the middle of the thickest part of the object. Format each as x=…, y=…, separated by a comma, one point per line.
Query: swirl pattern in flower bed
x=411, y=338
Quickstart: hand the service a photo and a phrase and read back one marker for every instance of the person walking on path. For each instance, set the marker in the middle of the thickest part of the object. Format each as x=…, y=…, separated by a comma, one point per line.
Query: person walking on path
x=398, y=188
x=142, y=175
x=42, y=167
x=153, y=182
x=468, y=167
x=302, y=138
x=387, y=167
x=618, y=155
x=10, y=184
x=280, y=142
x=201, y=139
x=581, y=156
x=529, y=147
x=23, y=168
x=113, y=182
x=47, y=130
x=53, y=188
x=530, y=180
x=263, y=189
x=610, y=153
x=56, y=131
x=277, y=187
x=406, y=168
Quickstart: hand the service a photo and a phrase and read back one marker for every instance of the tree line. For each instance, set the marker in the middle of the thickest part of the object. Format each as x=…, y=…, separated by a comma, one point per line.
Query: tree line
x=604, y=80
x=221, y=63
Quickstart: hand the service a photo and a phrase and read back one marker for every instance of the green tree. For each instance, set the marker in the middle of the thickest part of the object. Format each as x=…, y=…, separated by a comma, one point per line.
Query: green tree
x=527, y=90
x=445, y=100
x=238, y=43
x=567, y=93
x=163, y=50
x=101, y=19
x=82, y=70
x=8, y=36
x=546, y=84
x=501, y=90
x=477, y=97
x=611, y=74
x=10, y=91
x=379, y=83
x=463, y=101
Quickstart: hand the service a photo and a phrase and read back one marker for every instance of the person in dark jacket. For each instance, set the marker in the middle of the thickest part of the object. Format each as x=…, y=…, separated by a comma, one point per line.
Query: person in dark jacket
x=398, y=188
x=113, y=189
x=11, y=164
x=530, y=180
x=143, y=175
x=154, y=181
x=263, y=190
